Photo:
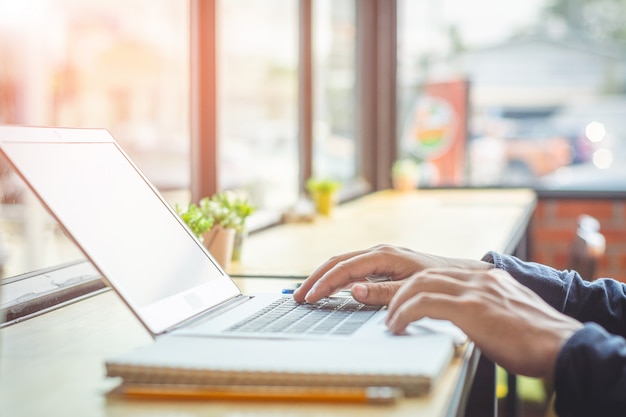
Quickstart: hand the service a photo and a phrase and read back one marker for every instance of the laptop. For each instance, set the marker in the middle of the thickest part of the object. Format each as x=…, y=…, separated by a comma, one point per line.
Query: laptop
x=200, y=320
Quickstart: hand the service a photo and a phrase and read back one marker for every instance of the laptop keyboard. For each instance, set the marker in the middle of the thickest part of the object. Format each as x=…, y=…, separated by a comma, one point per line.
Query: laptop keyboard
x=339, y=316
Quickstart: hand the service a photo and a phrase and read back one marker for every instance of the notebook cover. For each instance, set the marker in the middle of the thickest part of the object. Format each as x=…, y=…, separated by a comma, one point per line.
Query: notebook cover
x=411, y=363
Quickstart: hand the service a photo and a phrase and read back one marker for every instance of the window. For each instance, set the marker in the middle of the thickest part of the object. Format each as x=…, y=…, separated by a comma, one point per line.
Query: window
x=73, y=63
x=546, y=89
x=257, y=83
x=335, y=153
x=518, y=97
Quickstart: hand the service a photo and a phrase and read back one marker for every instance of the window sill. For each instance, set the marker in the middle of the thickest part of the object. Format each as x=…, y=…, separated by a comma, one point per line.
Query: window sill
x=25, y=296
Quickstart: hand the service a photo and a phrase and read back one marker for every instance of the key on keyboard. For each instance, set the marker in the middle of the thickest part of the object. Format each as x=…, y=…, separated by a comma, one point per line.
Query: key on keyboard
x=341, y=316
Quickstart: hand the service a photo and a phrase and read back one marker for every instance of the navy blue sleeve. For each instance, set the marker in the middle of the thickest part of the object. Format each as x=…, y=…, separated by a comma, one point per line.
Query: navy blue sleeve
x=590, y=373
x=602, y=301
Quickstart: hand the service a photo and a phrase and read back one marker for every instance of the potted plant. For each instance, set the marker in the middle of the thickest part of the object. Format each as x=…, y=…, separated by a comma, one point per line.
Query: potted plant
x=204, y=225
x=323, y=193
x=231, y=211
x=220, y=238
x=195, y=219
x=405, y=174
x=243, y=209
x=215, y=221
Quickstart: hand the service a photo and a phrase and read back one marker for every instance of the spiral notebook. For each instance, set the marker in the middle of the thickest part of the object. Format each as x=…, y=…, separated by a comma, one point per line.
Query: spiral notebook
x=183, y=297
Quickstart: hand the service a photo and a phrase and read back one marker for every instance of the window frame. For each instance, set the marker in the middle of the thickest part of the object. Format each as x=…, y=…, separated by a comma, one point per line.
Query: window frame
x=203, y=96
x=376, y=92
x=376, y=62
x=376, y=126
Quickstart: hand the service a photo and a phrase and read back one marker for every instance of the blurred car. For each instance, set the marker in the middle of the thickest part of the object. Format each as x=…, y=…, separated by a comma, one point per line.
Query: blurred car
x=518, y=152
x=531, y=157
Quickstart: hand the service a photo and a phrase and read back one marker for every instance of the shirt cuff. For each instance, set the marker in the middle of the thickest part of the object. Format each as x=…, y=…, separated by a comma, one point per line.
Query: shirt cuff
x=588, y=375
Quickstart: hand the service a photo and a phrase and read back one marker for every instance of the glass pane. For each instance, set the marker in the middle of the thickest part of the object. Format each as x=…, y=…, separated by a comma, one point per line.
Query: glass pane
x=334, y=69
x=257, y=100
x=546, y=85
x=116, y=64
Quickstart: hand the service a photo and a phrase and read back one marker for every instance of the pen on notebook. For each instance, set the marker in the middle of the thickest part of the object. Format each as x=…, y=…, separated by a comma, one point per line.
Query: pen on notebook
x=365, y=395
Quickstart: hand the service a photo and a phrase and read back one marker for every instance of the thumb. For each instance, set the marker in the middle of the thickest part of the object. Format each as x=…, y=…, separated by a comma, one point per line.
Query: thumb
x=379, y=293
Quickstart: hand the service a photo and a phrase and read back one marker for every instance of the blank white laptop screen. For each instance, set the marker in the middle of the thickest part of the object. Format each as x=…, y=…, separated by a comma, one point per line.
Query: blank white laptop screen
x=97, y=194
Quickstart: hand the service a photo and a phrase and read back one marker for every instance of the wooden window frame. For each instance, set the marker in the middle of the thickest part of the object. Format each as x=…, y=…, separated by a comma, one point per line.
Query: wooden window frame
x=376, y=115
x=377, y=91
x=376, y=94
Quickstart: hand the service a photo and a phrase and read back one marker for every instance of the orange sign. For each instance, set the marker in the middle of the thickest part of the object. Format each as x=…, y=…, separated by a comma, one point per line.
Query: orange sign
x=436, y=130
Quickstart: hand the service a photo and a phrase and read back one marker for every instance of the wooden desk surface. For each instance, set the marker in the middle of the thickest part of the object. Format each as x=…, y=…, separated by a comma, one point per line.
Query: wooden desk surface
x=53, y=365
x=457, y=223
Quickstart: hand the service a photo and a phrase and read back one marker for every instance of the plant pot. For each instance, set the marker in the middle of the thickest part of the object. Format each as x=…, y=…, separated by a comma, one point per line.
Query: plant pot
x=219, y=242
x=404, y=183
x=405, y=175
x=324, y=202
x=240, y=237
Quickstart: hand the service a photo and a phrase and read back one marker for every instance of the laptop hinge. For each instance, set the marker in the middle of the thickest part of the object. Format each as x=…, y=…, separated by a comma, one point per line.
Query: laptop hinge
x=212, y=312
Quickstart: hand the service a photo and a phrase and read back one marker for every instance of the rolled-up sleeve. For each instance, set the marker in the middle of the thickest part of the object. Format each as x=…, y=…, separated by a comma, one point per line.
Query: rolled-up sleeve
x=590, y=373
x=602, y=301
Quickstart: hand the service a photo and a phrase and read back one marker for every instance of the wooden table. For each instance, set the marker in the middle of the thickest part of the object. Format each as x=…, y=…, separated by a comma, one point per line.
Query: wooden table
x=53, y=365
x=457, y=223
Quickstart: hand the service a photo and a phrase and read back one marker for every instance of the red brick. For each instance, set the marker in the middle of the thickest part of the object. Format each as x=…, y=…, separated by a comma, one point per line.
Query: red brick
x=541, y=257
x=542, y=208
x=621, y=261
x=553, y=236
x=600, y=209
x=619, y=208
x=614, y=236
x=553, y=227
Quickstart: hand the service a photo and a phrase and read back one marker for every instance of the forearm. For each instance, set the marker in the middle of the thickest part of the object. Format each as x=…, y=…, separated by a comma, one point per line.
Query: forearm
x=601, y=301
x=547, y=282
x=424, y=260
x=468, y=264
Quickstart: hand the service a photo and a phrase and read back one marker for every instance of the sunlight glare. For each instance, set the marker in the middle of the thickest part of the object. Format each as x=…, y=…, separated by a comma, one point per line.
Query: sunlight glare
x=603, y=158
x=595, y=132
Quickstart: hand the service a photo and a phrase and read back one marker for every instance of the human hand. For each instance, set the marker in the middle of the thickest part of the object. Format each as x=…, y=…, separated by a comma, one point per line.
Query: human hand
x=390, y=263
x=508, y=322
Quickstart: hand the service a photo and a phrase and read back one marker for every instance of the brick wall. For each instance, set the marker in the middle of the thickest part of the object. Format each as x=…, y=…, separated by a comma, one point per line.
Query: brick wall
x=553, y=228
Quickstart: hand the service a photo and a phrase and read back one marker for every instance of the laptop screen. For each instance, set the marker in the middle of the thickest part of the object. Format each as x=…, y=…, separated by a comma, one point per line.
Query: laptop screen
x=122, y=225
